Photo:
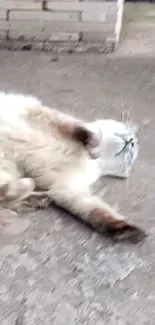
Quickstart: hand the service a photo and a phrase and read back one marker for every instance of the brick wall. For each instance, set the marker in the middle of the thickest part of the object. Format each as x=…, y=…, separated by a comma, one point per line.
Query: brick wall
x=60, y=25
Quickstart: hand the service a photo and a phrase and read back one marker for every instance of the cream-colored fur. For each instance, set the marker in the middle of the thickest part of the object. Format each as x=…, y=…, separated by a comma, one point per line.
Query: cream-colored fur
x=48, y=156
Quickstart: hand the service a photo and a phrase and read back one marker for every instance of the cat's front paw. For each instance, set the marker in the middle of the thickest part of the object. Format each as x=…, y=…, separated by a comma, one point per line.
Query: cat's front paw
x=129, y=233
x=114, y=225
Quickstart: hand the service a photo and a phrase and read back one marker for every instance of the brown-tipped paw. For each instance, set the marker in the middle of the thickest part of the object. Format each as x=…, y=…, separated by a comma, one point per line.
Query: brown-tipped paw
x=116, y=227
x=128, y=233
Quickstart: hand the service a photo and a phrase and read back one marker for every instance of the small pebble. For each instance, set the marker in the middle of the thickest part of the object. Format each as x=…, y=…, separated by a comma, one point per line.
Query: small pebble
x=54, y=59
x=145, y=121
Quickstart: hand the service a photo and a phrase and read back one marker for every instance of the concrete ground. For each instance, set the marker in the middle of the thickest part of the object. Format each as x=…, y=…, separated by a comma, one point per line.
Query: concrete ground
x=54, y=270
x=138, y=29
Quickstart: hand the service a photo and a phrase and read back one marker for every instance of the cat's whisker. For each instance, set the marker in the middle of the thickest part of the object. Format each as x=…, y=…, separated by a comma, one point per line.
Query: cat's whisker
x=128, y=114
x=122, y=109
x=129, y=111
x=127, y=180
x=127, y=185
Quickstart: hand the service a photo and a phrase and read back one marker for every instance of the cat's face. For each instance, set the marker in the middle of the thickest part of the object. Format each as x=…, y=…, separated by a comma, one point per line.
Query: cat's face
x=119, y=146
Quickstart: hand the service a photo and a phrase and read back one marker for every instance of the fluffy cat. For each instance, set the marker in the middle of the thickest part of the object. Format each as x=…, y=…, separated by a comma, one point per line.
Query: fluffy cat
x=47, y=156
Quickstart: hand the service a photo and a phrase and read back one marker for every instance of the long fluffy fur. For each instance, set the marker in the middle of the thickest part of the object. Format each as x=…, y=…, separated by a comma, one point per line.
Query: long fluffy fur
x=48, y=156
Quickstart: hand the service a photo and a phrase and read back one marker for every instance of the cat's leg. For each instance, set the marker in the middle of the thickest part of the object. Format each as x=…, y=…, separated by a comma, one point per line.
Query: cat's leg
x=90, y=209
x=34, y=201
x=98, y=214
x=14, y=190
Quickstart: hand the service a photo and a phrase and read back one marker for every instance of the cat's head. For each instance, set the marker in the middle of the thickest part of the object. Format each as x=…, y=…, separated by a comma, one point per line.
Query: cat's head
x=119, y=146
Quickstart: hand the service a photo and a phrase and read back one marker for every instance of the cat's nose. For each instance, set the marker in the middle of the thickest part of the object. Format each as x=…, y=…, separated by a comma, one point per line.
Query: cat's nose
x=132, y=142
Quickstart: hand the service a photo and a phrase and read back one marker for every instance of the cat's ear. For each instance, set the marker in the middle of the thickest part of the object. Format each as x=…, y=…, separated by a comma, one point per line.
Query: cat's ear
x=132, y=127
x=89, y=139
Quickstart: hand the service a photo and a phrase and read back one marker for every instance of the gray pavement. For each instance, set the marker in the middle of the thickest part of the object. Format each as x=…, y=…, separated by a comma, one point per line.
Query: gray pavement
x=54, y=270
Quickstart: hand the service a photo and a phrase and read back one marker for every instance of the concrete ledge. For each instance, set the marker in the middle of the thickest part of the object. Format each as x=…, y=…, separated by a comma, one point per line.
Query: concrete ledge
x=59, y=47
